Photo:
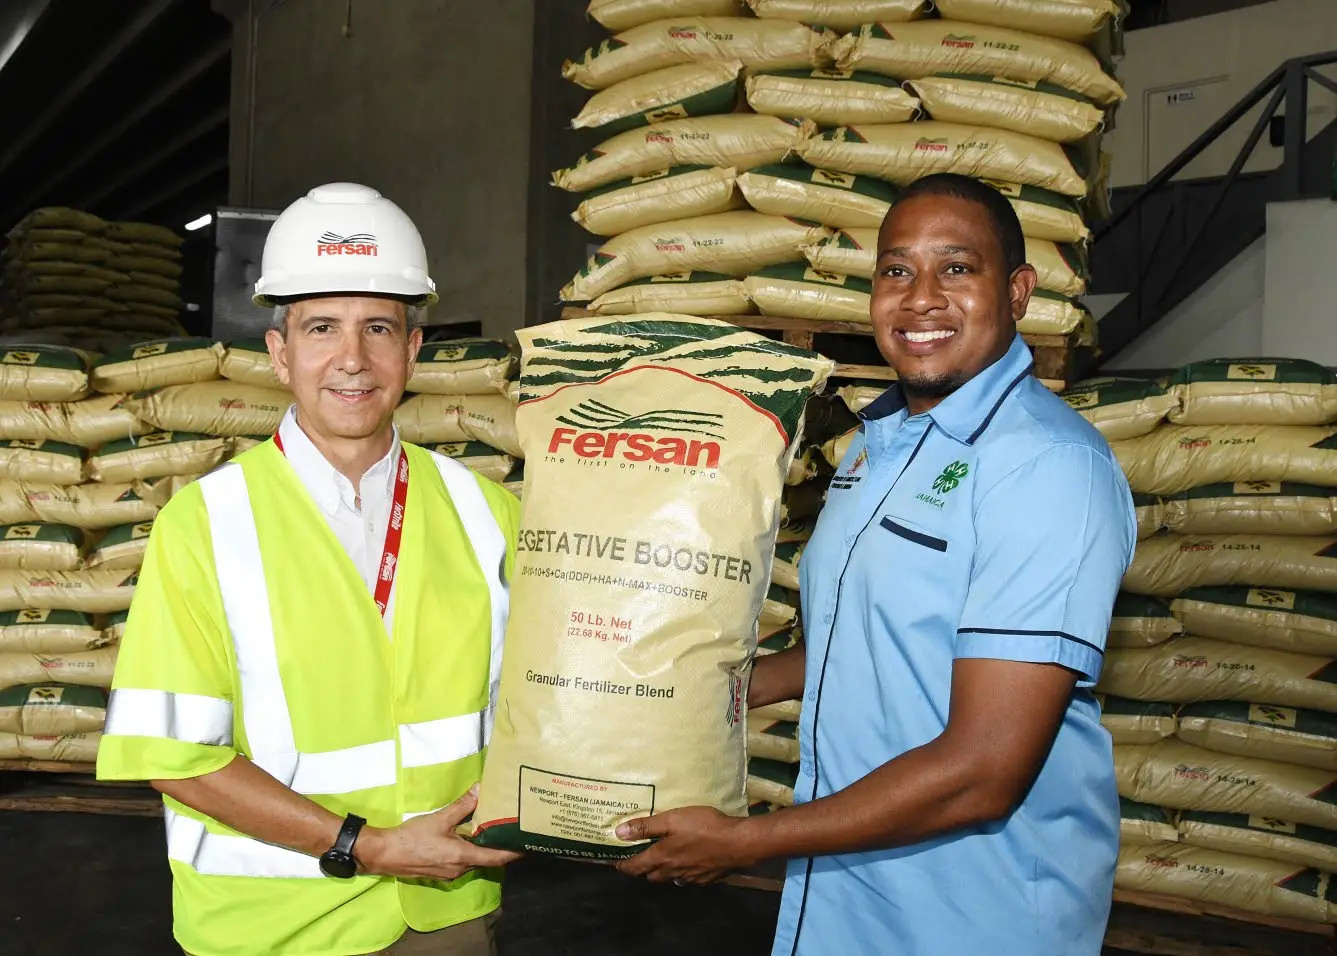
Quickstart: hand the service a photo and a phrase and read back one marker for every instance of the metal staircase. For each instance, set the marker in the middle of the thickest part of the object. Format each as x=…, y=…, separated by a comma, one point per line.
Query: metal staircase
x=1167, y=238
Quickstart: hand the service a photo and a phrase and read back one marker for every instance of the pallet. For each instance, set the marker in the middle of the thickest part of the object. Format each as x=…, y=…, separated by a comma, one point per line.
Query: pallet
x=52, y=786
x=1057, y=357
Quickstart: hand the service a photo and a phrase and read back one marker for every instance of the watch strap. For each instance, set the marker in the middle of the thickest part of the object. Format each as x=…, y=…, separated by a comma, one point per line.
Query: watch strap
x=348, y=834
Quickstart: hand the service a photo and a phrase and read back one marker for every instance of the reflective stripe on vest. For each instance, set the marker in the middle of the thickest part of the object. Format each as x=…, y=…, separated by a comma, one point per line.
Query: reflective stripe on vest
x=265, y=714
x=190, y=718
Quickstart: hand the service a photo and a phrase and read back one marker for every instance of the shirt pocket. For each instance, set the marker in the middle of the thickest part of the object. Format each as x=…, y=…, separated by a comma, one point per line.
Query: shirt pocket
x=910, y=532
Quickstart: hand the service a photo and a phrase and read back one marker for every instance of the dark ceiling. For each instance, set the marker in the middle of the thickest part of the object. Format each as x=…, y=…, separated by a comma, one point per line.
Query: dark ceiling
x=118, y=107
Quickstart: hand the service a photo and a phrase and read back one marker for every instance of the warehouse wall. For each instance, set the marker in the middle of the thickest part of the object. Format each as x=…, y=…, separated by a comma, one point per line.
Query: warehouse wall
x=1182, y=77
x=426, y=100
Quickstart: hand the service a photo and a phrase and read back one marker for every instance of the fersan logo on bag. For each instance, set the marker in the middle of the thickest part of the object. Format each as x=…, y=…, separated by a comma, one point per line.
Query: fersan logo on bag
x=358, y=244
x=602, y=431
x=926, y=145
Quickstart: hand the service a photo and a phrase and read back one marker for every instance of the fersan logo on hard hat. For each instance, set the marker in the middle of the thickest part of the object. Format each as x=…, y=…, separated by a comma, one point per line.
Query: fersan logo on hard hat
x=602, y=431
x=359, y=244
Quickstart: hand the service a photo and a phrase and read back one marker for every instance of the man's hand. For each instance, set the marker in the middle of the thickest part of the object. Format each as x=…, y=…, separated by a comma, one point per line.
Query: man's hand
x=695, y=845
x=428, y=847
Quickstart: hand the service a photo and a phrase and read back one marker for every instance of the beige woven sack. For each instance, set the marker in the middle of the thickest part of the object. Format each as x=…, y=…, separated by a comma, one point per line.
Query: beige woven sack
x=684, y=293
x=851, y=252
x=90, y=423
x=77, y=748
x=1121, y=408
x=1188, y=669
x=761, y=45
x=840, y=14
x=732, y=141
x=431, y=419
x=92, y=506
x=121, y=549
x=43, y=373
x=834, y=199
x=82, y=668
x=41, y=547
x=43, y=462
x=247, y=361
x=37, y=631
x=221, y=408
x=1049, y=313
x=904, y=152
x=1176, y=458
x=52, y=710
x=799, y=291
x=1043, y=110
x=492, y=463
x=94, y=592
x=735, y=243
x=1150, y=512
x=462, y=367
x=675, y=92
x=1253, y=507
x=156, y=364
x=157, y=455
x=1301, y=621
x=1171, y=563
x=663, y=195
x=831, y=97
x=1269, y=731
x=1045, y=214
x=1140, y=621
x=1264, y=391
x=909, y=51
x=1264, y=837
x=1135, y=721
x=1074, y=20
x=617, y=15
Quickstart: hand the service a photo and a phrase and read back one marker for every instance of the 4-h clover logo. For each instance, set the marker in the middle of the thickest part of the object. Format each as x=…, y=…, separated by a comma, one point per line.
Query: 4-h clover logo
x=951, y=477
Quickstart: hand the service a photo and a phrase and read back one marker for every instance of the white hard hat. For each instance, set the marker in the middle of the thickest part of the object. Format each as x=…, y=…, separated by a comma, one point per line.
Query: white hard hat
x=342, y=237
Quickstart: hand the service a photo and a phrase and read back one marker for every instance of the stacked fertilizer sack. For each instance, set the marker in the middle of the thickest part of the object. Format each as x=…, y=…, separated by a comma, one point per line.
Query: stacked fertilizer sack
x=1222, y=666
x=88, y=456
x=71, y=278
x=751, y=158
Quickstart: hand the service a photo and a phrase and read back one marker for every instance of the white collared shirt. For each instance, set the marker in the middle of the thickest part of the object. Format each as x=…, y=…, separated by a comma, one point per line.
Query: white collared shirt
x=361, y=530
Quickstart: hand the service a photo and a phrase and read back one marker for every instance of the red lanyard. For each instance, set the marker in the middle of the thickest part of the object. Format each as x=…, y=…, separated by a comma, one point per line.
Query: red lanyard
x=385, y=576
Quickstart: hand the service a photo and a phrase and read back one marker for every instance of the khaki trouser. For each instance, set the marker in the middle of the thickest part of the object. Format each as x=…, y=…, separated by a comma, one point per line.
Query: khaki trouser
x=474, y=938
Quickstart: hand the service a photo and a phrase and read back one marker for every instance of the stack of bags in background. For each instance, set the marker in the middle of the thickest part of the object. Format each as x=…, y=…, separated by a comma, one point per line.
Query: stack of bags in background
x=1222, y=667
x=88, y=456
x=70, y=278
x=755, y=156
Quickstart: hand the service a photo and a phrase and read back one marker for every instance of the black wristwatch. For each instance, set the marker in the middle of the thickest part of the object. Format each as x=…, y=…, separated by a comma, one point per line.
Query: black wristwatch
x=338, y=860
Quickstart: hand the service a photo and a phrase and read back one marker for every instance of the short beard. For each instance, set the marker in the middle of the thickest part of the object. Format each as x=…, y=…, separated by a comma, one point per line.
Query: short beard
x=932, y=386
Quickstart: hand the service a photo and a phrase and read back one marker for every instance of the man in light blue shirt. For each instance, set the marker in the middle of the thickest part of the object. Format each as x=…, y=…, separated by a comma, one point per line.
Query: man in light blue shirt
x=956, y=789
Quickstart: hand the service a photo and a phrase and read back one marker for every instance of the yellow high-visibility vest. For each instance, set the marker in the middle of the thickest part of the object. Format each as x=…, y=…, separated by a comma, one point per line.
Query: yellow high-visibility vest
x=252, y=632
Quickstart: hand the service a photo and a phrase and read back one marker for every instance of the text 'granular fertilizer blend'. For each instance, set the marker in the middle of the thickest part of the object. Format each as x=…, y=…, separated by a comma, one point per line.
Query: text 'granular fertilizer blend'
x=655, y=455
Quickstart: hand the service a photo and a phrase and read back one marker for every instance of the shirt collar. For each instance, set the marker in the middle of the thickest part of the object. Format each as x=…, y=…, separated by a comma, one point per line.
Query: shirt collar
x=325, y=484
x=965, y=413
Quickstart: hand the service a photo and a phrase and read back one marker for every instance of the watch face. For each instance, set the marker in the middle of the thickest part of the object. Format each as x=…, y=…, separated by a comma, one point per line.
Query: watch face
x=339, y=865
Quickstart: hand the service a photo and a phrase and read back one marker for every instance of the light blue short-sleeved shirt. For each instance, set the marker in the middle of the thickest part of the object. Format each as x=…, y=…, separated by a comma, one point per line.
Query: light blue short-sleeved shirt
x=997, y=525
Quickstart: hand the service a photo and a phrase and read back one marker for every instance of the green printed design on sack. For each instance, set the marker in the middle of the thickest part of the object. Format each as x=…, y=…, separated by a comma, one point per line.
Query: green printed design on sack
x=43, y=356
x=1038, y=86
x=45, y=533
x=1280, y=371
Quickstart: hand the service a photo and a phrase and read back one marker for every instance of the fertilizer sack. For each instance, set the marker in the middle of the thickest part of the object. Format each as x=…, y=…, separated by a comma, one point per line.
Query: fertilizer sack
x=1038, y=109
x=43, y=373
x=247, y=361
x=850, y=252
x=802, y=292
x=1143, y=823
x=121, y=549
x=1045, y=214
x=1253, y=507
x=761, y=45
x=834, y=199
x=83, y=668
x=772, y=739
x=462, y=367
x=1265, y=837
x=663, y=195
x=157, y=455
x=78, y=748
x=93, y=592
x=220, y=408
x=1150, y=513
x=155, y=364
x=784, y=570
x=44, y=462
x=41, y=547
x=732, y=141
x=1266, y=887
x=1121, y=408
x=1189, y=669
x=1060, y=269
x=90, y=423
x=92, y=506
x=656, y=450
x=429, y=419
x=491, y=463
x=617, y=15
x=735, y=243
x=1288, y=734
x=1074, y=20
x=1136, y=721
x=831, y=97
x=910, y=51
x=675, y=92
x=52, y=710
x=1177, y=775
x=771, y=781
x=686, y=293
x=115, y=629
x=1168, y=564
x=1263, y=391
x=1051, y=314
x=904, y=152
x=1301, y=621
x=1176, y=458
x=36, y=631
x=1140, y=621
x=840, y=14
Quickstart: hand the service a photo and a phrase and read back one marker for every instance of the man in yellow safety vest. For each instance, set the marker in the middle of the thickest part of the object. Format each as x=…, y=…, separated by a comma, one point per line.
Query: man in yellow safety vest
x=310, y=665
